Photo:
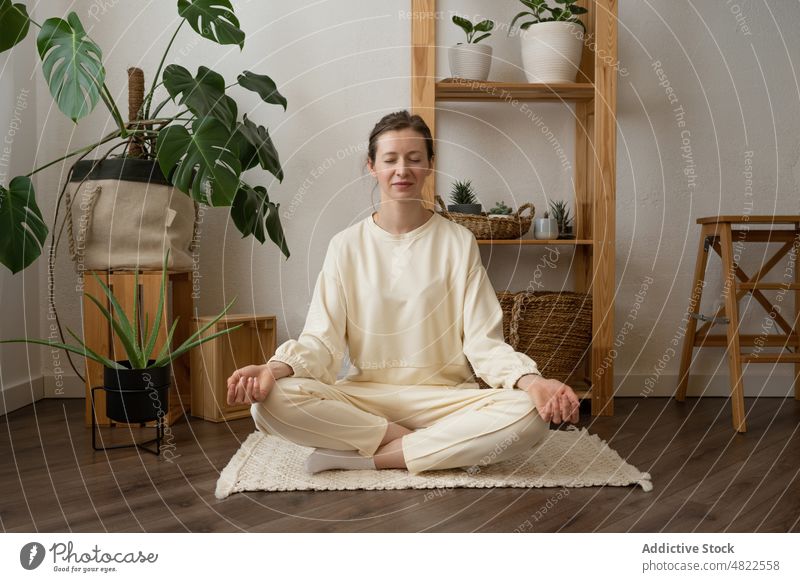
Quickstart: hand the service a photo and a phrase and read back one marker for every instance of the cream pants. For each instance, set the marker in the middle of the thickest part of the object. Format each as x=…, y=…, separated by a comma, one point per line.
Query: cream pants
x=453, y=427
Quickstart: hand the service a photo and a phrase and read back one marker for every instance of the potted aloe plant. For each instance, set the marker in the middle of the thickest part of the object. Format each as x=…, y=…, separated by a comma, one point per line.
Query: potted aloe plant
x=137, y=388
x=561, y=213
x=202, y=146
x=463, y=198
x=470, y=60
x=552, y=40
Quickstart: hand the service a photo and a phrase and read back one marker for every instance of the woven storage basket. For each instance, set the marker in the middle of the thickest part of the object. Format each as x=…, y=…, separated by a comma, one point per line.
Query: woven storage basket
x=553, y=328
x=483, y=227
x=506, y=299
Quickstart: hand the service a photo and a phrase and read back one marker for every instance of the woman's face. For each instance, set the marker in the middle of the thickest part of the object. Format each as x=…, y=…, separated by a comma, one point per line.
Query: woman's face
x=401, y=164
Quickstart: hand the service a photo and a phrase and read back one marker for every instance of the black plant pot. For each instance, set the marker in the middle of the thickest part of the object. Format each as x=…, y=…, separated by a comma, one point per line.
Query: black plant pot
x=566, y=232
x=465, y=208
x=136, y=395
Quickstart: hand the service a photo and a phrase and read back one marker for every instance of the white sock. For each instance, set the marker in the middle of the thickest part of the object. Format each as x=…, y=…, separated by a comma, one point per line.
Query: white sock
x=324, y=459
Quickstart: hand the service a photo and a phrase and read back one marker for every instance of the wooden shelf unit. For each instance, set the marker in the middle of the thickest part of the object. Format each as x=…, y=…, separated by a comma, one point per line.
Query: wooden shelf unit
x=526, y=241
x=594, y=98
x=466, y=90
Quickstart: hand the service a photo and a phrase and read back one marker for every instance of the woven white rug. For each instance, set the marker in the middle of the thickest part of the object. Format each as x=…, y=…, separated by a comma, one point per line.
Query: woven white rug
x=566, y=458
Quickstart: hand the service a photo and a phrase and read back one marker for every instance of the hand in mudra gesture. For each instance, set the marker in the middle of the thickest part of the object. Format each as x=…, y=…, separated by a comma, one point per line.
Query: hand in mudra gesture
x=555, y=401
x=250, y=384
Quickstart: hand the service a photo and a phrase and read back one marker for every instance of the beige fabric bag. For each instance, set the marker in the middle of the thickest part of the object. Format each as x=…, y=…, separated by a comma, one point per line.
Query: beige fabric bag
x=128, y=223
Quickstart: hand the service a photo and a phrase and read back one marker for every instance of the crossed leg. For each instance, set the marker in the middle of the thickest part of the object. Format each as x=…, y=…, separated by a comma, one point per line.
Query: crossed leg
x=418, y=427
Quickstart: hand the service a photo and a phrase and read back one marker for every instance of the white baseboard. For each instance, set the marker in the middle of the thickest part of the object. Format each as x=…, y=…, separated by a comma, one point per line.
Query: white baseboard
x=16, y=396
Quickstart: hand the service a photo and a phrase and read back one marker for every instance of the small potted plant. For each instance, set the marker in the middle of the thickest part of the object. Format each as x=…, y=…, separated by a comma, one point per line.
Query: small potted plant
x=137, y=389
x=470, y=60
x=560, y=212
x=551, y=50
x=463, y=198
x=500, y=210
x=545, y=228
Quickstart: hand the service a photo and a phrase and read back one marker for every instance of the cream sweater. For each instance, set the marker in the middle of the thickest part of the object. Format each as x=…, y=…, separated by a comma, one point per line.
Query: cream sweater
x=411, y=309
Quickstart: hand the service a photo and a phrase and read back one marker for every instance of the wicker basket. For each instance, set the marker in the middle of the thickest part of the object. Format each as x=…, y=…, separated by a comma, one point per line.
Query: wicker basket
x=553, y=328
x=498, y=228
x=506, y=299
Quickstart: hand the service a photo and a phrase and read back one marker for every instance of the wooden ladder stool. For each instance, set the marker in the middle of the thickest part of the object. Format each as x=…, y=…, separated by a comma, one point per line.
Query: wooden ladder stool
x=716, y=233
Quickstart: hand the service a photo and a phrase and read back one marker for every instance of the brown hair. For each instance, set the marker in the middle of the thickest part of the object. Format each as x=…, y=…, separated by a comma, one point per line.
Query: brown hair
x=395, y=121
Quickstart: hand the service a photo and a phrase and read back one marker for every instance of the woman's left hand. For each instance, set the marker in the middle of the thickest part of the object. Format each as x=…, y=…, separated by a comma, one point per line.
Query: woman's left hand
x=555, y=401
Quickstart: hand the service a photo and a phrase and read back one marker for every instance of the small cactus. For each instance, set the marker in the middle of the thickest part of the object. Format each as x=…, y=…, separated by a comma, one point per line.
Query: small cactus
x=500, y=208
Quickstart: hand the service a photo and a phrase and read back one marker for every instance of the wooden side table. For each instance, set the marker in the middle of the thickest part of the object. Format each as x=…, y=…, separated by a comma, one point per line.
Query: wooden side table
x=717, y=233
x=98, y=334
x=214, y=361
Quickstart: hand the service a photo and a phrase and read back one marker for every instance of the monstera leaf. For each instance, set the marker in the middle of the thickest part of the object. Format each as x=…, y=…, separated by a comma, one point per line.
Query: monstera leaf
x=212, y=19
x=264, y=86
x=203, y=95
x=260, y=147
x=252, y=212
x=72, y=65
x=274, y=228
x=14, y=23
x=22, y=229
x=203, y=163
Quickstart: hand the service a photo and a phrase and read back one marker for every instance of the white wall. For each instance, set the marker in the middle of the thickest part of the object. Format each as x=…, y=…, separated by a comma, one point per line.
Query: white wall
x=342, y=65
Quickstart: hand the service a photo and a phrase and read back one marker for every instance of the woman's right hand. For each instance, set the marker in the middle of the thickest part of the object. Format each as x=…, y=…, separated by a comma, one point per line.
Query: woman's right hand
x=250, y=384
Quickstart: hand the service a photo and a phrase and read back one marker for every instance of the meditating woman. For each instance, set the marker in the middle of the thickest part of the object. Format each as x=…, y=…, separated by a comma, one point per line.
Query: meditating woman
x=404, y=291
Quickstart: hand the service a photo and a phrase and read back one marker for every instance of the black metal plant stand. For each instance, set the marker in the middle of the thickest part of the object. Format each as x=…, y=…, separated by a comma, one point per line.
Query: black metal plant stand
x=141, y=445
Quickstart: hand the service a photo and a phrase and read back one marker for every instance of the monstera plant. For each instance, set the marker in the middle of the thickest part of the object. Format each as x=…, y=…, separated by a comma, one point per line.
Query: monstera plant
x=202, y=147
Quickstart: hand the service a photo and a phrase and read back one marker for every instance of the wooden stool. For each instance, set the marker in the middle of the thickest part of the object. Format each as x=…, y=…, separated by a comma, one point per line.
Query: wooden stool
x=717, y=233
x=98, y=334
x=214, y=361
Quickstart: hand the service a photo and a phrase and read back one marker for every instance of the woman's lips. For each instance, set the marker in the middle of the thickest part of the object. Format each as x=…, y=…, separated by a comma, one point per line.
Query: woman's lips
x=402, y=184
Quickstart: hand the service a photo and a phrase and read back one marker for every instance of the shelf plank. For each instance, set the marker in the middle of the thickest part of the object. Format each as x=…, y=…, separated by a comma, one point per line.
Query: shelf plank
x=529, y=241
x=470, y=90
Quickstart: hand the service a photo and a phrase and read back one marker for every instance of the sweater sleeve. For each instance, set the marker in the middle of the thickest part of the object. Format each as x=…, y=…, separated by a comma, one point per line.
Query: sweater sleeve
x=495, y=361
x=318, y=352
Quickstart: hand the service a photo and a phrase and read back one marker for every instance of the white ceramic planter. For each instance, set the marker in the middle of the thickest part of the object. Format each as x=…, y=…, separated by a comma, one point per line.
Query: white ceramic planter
x=545, y=228
x=551, y=52
x=470, y=61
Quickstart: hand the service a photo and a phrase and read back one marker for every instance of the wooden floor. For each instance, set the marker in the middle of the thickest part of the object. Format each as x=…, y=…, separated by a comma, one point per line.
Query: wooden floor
x=706, y=478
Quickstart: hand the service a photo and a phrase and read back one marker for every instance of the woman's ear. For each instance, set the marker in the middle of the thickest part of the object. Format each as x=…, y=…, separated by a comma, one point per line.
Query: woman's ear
x=371, y=168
